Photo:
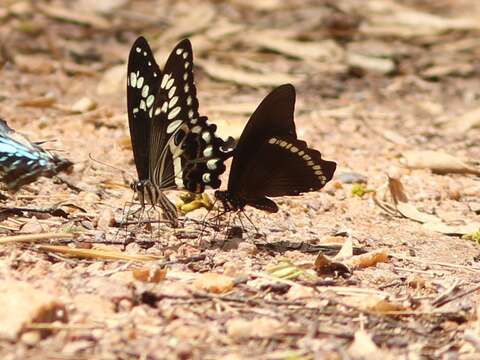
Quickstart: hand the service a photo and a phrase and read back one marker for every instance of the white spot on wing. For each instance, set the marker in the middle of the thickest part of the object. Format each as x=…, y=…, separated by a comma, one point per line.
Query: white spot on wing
x=145, y=91
x=138, y=49
x=186, y=88
x=150, y=100
x=186, y=65
x=143, y=106
x=206, y=178
x=208, y=151
x=172, y=102
x=133, y=79
x=190, y=114
x=189, y=100
x=196, y=129
x=172, y=92
x=173, y=126
x=206, y=136
x=212, y=164
x=179, y=51
x=164, y=81
x=272, y=141
x=140, y=82
x=169, y=83
x=174, y=112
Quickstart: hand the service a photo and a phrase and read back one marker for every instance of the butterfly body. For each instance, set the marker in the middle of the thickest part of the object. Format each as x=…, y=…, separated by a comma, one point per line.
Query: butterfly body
x=22, y=162
x=270, y=161
x=174, y=147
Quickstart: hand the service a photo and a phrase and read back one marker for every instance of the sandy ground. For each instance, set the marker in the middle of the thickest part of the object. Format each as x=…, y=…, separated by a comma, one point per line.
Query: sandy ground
x=375, y=82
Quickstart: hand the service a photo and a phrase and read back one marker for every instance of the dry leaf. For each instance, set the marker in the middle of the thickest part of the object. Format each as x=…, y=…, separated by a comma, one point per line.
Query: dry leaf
x=22, y=305
x=278, y=41
x=365, y=63
x=368, y=259
x=324, y=265
x=258, y=328
x=446, y=229
x=373, y=303
x=237, y=76
x=346, y=251
x=213, y=282
x=151, y=275
x=437, y=161
x=67, y=15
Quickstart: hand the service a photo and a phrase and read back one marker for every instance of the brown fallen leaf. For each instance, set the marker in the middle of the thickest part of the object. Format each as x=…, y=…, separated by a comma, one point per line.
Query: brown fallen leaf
x=280, y=41
x=67, y=15
x=401, y=207
x=324, y=265
x=151, y=275
x=22, y=305
x=463, y=229
x=366, y=260
x=373, y=303
x=437, y=161
x=237, y=76
x=214, y=283
x=239, y=329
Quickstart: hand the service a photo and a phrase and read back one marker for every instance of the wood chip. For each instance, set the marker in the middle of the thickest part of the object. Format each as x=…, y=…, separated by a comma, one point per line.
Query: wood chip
x=237, y=76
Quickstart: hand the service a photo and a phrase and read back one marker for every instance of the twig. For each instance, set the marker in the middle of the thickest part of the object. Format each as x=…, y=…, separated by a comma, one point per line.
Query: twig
x=458, y=296
x=34, y=237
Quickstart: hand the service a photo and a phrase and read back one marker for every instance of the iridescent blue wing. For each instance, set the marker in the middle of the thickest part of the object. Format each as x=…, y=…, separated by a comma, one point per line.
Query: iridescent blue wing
x=22, y=162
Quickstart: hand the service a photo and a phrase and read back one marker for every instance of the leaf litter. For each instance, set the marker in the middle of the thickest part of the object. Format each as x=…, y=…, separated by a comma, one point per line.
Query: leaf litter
x=383, y=87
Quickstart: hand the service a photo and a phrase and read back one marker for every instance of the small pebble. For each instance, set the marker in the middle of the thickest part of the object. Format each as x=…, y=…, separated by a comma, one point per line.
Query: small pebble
x=352, y=178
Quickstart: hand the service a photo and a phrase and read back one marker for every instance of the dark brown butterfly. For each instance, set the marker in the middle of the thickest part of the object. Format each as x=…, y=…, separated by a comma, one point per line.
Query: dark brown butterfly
x=269, y=160
x=173, y=146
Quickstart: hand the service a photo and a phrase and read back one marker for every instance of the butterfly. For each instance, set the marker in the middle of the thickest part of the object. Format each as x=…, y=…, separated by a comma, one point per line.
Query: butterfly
x=269, y=160
x=23, y=162
x=173, y=146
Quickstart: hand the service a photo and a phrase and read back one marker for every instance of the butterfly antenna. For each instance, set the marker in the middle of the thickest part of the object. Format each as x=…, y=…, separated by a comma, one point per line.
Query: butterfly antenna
x=108, y=165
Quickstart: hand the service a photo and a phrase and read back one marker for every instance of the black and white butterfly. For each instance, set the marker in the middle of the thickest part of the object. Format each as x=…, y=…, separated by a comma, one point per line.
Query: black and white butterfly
x=173, y=146
x=269, y=160
x=23, y=162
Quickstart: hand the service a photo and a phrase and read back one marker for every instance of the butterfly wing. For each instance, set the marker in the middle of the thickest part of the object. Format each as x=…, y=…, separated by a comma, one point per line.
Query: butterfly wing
x=143, y=80
x=284, y=166
x=274, y=116
x=185, y=153
x=24, y=162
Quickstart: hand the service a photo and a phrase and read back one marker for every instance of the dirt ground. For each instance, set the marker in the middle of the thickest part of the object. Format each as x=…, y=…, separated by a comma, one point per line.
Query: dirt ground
x=379, y=83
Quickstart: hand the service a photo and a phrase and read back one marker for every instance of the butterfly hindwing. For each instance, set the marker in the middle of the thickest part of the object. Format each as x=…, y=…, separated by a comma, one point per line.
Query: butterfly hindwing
x=285, y=166
x=143, y=80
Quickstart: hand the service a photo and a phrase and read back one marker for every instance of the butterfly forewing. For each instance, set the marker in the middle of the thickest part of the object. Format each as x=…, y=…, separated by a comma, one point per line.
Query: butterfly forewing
x=274, y=115
x=22, y=162
x=185, y=153
x=143, y=80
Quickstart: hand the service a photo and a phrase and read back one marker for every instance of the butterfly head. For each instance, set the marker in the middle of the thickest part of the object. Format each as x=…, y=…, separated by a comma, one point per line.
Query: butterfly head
x=229, y=202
